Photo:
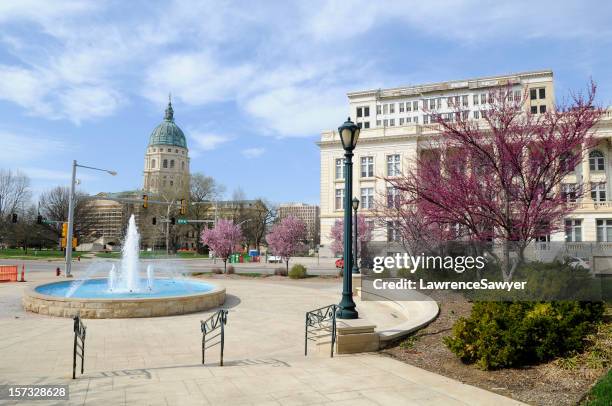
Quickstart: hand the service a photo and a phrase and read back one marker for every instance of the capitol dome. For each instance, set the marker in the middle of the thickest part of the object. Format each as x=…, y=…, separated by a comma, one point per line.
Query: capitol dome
x=168, y=133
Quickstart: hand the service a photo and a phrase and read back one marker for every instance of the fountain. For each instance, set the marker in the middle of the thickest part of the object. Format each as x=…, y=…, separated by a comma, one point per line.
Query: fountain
x=123, y=293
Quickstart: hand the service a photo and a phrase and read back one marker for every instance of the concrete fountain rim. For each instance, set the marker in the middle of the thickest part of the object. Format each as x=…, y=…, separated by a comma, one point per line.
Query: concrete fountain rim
x=31, y=292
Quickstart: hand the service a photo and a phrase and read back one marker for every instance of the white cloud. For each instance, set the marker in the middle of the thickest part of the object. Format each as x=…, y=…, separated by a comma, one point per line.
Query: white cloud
x=88, y=102
x=207, y=141
x=252, y=152
x=19, y=148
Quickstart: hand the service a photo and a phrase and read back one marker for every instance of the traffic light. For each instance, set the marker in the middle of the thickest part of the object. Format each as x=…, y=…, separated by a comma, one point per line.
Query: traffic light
x=145, y=201
x=183, y=207
x=14, y=218
x=64, y=230
x=39, y=219
x=172, y=220
x=154, y=220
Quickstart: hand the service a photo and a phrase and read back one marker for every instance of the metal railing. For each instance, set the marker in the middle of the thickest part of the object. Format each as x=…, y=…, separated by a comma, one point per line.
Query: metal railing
x=320, y=323
x=215, y=323
x=79, y=335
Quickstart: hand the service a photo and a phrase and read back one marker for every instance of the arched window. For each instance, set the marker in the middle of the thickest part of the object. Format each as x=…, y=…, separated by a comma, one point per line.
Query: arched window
x=152, y=163
x=172, y=163
x=165, y=163
x=596, y=160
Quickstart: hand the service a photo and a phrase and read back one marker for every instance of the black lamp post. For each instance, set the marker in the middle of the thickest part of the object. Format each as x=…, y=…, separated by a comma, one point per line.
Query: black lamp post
x=349, y=134
x=355, y=226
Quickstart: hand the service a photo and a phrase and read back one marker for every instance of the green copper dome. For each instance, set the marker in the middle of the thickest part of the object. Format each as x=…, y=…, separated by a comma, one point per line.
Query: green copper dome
x=168, y=133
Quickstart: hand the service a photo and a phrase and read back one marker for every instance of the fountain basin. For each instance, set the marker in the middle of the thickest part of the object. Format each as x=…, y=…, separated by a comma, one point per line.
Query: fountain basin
x=170, y=297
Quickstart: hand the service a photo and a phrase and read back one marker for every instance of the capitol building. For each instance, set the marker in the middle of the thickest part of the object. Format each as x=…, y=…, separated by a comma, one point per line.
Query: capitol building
x=165, y=178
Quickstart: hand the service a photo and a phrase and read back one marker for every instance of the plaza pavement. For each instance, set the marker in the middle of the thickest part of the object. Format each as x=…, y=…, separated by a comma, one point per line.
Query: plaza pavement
x=156, y=361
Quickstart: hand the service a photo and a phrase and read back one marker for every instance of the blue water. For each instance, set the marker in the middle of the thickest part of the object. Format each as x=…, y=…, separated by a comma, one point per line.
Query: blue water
x=98, y=289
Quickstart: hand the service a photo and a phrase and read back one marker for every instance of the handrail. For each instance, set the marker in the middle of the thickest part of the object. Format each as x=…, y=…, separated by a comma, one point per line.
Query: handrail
x=321, y=319
x=79, y=333
x=213, y=323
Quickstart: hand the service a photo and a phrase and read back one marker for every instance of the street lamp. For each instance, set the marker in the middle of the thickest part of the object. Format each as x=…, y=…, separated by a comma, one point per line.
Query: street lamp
x=349, y=134
x=355, y=226
x=71, y=203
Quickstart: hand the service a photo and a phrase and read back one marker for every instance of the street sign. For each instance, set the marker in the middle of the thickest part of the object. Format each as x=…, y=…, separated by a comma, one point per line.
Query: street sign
x=182, y=221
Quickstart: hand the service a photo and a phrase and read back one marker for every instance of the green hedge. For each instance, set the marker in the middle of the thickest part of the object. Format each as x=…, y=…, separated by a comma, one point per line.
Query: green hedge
x=511, y=334
x=298, y=271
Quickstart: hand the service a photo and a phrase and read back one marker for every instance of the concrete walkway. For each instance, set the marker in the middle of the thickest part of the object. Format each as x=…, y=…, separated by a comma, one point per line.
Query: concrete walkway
x=156, y=361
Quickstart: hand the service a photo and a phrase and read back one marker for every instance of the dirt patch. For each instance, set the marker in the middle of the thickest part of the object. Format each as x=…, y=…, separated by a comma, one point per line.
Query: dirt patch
x=545, y=384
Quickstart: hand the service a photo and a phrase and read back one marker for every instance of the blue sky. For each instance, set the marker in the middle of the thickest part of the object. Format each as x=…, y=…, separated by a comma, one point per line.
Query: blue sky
x=253, y=82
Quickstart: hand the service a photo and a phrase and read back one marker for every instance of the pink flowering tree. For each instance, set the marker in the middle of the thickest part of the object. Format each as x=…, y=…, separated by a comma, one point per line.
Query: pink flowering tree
x=287, y=238
x=222, y=239
x=499, y=179
x=364, y=235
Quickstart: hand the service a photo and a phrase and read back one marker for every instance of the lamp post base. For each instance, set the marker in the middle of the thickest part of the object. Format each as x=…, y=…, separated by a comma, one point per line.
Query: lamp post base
x=356, y=270
x=347, y=307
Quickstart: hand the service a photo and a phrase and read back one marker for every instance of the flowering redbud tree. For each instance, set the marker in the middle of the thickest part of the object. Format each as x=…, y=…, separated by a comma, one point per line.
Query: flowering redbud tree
x=287, y=238
x=499, y=179
x=222, y=239
x=364, y=235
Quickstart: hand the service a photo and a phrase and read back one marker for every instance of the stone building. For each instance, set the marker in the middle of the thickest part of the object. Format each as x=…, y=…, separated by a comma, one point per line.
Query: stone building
x=396, y=122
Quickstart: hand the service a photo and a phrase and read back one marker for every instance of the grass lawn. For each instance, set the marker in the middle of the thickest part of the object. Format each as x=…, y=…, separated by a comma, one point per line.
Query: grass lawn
x=18, y=253
x=601, y=393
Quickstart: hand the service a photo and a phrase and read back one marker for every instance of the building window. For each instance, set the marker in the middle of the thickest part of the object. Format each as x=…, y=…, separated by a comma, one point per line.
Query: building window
x=366, y=124
x=385, y=122
x=432, y=103
x=392, y=108
x=367, y=198
x=475, y=100
x=573, y=230
x=415, y=105
x=367, y=166
x=183, y=165
x=393, y=197
x=534, y=109
x=533, y=94
x=340, y=171
x=171, y=183
x=425, y=119
x=598, y=192
x=393, y=234
x=165, y=163
x=366, y=112
x=385, y=108
x=359, y=112
x=568, y=191
x=604, y=230
x=172, y=163
x=153, y=163
x=401, y=107
x=391, y=122
x=542, y=93
x=596, y=160
x=408, y=106
x=401, y=121
x=378, y=109
x=476, y=114
x=393, y=165
x=464, y=100
x=517, y=95
x=378, y=123
x=415, y=120
x=169, y=150
x=339, y=205
x=483, y=98
x=542, y=109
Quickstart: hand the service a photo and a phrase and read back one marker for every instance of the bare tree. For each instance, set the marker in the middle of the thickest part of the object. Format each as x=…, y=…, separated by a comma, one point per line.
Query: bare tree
x=54, y=206
x=14, y=196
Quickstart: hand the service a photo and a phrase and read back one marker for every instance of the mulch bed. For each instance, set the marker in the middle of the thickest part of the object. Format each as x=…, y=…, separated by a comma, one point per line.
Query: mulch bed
x=545, y=384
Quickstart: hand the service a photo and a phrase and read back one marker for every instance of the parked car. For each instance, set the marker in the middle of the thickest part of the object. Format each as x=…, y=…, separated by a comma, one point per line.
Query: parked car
x=340, y=263
x=576, y=262
x=275, y=259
